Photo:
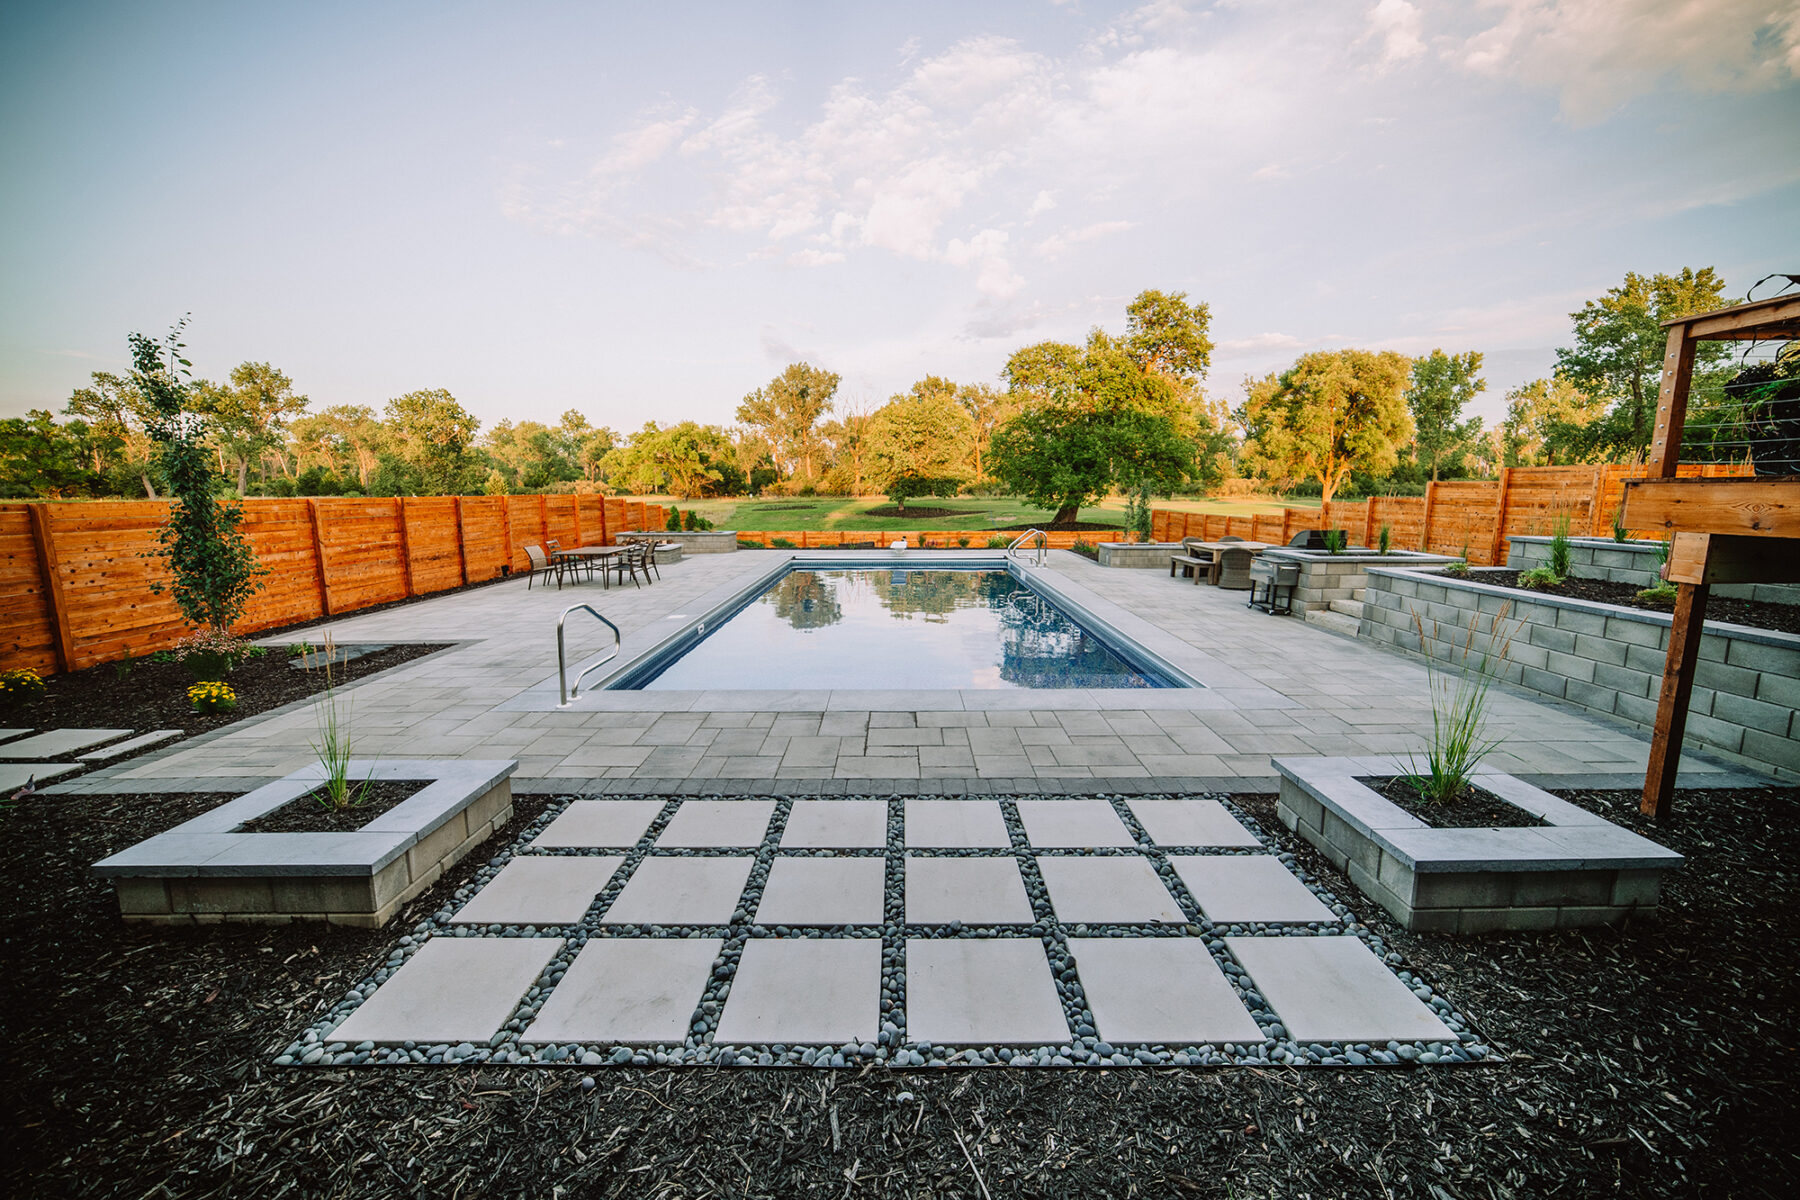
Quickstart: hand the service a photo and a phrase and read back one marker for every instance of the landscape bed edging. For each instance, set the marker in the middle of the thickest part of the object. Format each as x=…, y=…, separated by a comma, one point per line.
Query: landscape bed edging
x=1577, y=869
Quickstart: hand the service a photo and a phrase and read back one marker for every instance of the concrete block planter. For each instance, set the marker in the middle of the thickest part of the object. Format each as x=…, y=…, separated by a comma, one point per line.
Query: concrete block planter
x=1325, y=577
x=1577, y=869
x=1635, y=563
x=1138, y=554
x=205, y=871
x=708, y=541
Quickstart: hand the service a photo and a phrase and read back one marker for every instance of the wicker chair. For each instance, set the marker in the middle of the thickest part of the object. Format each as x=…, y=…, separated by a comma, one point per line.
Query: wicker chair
x=1233, y=570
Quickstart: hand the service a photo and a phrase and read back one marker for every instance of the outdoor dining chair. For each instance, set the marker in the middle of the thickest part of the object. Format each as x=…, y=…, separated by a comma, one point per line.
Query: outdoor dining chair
x=627, y=562
x=1234, y=569
x=541, y=561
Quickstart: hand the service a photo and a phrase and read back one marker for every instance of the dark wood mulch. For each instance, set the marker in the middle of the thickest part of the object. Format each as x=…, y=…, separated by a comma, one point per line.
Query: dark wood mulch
x=1062, y=527
x=1474, y=808
x=312, y=813
x=916, y=513
x=1654, y=1059
x=1758, y=614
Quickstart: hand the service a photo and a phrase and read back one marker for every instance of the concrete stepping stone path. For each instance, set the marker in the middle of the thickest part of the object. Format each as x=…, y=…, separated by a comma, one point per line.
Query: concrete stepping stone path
x=58, y=743
x=16, y=775
x=907, y=931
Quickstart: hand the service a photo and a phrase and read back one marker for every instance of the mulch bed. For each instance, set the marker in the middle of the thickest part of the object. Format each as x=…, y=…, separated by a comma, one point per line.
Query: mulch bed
x=312, y=813
x=1652, y=1059
x=1062, y=527
x=917, y=513
x=1475, y=808
x=1759, y=614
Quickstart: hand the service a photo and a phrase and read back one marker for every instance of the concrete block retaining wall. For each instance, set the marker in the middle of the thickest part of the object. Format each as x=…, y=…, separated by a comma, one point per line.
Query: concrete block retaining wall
x=1607, y=659
x=1138, y=554
x=1635, y=563
x=1328, y=577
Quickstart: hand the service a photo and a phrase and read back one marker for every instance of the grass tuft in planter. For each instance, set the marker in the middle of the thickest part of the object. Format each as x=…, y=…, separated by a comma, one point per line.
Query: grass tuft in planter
x=1459, y=699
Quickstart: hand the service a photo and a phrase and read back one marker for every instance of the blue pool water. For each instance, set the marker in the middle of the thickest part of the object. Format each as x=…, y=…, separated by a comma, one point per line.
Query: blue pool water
x=823, y=629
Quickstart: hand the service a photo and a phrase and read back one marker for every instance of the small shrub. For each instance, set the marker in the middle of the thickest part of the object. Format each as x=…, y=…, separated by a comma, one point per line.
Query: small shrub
x=1539, y=579
x=782, y=543
x=1334, y=541
x=1456, y=570
x=1662, y=595
x=1619, y=532
x=296, y=649
x=212, y=695
x=746, y=545
x=999, y=542
x=1085, y=550
x=673, y=524
x=20, y=687
x=693, y=522
x=1385, y=538
x=211, y=653
x=963, y=542
x=1559, y=547
x=163, y=656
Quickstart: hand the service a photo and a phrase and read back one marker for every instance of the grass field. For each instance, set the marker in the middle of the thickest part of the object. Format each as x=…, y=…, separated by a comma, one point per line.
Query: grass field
x=841, y=512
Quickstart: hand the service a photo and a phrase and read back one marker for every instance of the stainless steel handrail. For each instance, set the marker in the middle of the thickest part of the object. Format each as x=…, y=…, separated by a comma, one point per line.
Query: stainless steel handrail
x=562, y=670
x=1041, y=547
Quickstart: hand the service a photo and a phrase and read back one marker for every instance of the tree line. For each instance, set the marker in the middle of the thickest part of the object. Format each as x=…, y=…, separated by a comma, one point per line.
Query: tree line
x=1065, y=425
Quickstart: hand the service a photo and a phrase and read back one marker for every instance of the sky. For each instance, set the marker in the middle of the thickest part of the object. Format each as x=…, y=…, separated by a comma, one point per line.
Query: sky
x=645, y=211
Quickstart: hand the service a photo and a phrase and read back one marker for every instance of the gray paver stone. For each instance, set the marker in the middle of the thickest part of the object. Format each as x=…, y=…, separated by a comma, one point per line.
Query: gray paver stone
x=1249, y=887
x=600, y=823
x=1118, y=888
x=540, y=890
x=452, y=990
x=639, y=990
x=804, y=990
x=706, y=824
x=681, y=891
x=1073, y=824
x=955, y=825
x=1191, y=823
x=824, y=891
x=17, y=775
x=1160, y=990
x=1335, y=989
x=962, y=991
x=836, y=824
x=55, y=742
x=975, y=891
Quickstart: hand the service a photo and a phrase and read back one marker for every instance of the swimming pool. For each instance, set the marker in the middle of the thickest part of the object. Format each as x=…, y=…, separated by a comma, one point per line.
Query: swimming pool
x=818, y=626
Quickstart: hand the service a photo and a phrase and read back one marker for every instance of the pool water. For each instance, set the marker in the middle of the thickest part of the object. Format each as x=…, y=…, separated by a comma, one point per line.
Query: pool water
x=824, y=629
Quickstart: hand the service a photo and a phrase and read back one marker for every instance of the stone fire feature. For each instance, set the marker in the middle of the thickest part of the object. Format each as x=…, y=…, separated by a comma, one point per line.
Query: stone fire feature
x=204, y=871
x=1578, y=869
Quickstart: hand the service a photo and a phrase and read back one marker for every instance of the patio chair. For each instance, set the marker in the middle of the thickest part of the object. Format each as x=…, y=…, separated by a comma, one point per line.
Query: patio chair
x=1231, y=537
x=1193, y=560
x=650, y=549
x=541, y=561
x=1233, y=570
x=569, y=566
x=627, y=562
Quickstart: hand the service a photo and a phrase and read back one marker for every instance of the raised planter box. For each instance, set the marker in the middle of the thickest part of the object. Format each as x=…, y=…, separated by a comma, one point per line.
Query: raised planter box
x=1635, y=563
x=709, y=541
x=1578, y=869
x=204, y=871
x=1607, y=658
x=1325, y=577
x=1138, y=554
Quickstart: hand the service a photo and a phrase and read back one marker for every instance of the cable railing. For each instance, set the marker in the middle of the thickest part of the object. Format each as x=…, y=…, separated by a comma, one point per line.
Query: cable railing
x=564, y=693
x=1039, y=548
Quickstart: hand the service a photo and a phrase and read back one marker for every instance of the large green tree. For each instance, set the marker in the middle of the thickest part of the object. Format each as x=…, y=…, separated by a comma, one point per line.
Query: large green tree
x=40, y=457
x=1619, y=346
x=1546, y=424
x=1442, y=386
x=787, y=411
x=684, y=460
x=249, y=414
x=432, y=433
x=1166, y=334
x=1330, y=413
x=118, y=447
x=922, y=432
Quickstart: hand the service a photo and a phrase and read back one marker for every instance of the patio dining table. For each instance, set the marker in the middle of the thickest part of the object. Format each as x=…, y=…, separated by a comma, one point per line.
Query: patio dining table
x=1212, y=576
x=593, y=553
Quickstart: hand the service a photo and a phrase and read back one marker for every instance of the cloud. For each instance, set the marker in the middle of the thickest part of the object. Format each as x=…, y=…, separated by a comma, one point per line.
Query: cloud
x=1259, y=342
x=1396, y=24
x=1057, y=243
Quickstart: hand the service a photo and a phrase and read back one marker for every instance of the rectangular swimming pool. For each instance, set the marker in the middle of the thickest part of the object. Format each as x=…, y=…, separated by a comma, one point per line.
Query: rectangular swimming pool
x=820, y=627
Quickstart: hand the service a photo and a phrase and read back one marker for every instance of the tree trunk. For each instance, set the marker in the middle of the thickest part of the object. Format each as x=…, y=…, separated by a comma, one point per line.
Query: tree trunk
x=1066, y=514
x=243, y=475
x=148, y=490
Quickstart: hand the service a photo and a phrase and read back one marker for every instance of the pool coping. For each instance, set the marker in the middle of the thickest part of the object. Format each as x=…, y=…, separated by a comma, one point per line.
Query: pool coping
x=1207, y=683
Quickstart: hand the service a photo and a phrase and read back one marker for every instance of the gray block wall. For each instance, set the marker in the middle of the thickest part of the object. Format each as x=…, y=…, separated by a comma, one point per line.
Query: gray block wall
x=1635, y=563
x=1606, y=659
x=1328, y=577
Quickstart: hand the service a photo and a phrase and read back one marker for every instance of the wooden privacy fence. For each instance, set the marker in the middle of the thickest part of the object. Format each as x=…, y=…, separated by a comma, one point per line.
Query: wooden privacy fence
x=1452, y=515
x=920, y=539
x=75, y=578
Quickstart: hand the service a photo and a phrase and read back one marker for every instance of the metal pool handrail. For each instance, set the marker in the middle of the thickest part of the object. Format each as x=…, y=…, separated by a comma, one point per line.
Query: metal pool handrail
x=564, y=695
x=1043, y=540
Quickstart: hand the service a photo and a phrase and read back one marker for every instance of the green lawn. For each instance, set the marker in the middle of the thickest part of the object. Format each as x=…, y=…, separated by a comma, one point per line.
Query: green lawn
x=840, y=512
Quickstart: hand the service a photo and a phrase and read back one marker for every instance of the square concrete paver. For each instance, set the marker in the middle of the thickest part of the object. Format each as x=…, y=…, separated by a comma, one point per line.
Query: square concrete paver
x=1247, y=887
x=601, y=823
x=1116, y=888
x=452, y=990
x=978, y=991
x=638, y=990
x=54, y=742
x=7, y=735
x=1334, y=989
x=804, y=991
x=681, y=891
x=705, y=824
x=955, y=825
x=824, y=891
x=975, y=891
x=1191, y=823
x=1160, y=990
x=540, y=890
x=1073, y=824
x=17, y=775
x=836, y=825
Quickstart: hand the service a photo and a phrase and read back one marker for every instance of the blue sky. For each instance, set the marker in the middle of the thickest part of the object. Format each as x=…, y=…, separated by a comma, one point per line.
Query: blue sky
x=646, y=211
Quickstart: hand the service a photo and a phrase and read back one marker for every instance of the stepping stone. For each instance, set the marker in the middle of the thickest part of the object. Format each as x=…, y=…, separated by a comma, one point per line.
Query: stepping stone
x=1191, y=823
x=1117, y=888
x=1073, y=824
x=1247, y=887
x=681, y=891
x=1165, y=991
x=540, y=890
x=638, y=990
x=705, y=824
x=1334, y=989
x=836, y=825
x=58, y=742
x=600, y=823
x=824, y=891
x=7, y=735
x=453, y=990
x=142, y=741
x=975, y=891
x=956, y=825
x=804, y=991
x=982, y=992
x=14, y=776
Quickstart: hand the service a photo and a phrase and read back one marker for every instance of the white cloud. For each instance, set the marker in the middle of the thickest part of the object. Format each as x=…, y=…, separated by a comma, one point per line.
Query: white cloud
x=1396, y=24
x=1259, y=342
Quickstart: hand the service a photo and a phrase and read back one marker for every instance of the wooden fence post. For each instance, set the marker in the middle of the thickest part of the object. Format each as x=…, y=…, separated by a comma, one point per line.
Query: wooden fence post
x=576, y=498
x=51, y=573
x=312, y=512
x=462, y=553
x=506, y=533
x=1430, y=500
x=1495, y=558
x=405, y=545
x=1369, y=521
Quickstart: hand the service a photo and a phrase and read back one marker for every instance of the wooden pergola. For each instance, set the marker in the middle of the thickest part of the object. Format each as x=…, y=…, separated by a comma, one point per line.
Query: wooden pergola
x=1721, y=530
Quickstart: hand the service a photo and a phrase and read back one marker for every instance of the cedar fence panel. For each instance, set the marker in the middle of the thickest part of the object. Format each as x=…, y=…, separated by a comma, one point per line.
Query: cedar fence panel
x=433, y=543
x=27, y=626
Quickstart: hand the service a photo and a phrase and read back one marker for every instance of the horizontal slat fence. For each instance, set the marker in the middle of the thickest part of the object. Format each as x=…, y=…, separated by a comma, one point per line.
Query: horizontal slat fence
x=76, y=579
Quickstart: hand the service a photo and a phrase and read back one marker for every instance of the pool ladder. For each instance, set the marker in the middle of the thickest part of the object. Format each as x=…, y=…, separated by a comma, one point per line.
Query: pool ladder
x=564, y=694
x=1038, y=548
